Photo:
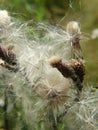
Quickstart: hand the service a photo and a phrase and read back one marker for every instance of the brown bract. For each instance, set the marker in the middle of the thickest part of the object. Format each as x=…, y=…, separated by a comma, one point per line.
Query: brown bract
x=8, y=57
x=74, y=69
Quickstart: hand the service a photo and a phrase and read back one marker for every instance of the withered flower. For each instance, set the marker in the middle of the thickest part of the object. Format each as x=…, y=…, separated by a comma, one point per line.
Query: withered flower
x=74, y=70
x=74, y=31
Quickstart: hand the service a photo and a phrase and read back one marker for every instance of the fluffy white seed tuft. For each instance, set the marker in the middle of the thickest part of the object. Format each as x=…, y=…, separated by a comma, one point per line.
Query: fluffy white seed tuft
x=54, y=60
x=73, y=28
x=5, y=19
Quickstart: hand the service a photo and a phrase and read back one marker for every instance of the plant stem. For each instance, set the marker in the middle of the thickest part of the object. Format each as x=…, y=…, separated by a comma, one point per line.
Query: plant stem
x=6, y=122
x=52, y=120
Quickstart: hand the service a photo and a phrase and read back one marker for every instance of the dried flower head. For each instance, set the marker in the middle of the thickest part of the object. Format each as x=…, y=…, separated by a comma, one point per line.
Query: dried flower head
x=79, y=68
x=9, y=58
x=73, y=28
x=74, y=31
x=5, y=19
x=74, y=70
x=53, y=89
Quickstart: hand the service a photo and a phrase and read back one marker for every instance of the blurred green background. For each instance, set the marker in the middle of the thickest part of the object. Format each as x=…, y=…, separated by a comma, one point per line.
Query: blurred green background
x=60, y=12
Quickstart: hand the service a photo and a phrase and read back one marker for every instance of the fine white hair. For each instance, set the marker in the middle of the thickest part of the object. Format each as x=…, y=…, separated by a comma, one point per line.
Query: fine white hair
x=5, y=19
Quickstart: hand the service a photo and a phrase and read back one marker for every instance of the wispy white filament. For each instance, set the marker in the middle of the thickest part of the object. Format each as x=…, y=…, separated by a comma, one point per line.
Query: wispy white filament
x=37, y=86
x=5, y=19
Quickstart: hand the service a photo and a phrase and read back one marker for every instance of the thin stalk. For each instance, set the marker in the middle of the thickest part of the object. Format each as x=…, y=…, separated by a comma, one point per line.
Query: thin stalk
x=6, y=121
x=52, y=120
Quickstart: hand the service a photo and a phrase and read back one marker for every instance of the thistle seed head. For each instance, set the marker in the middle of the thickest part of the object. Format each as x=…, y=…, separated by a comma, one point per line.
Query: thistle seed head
x=53, y=89
x=5, y=19
x=73, y=28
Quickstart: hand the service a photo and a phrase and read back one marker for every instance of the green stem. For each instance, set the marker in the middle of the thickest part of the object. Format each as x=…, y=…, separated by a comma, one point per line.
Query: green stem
x=6, y=122
x=52, y=121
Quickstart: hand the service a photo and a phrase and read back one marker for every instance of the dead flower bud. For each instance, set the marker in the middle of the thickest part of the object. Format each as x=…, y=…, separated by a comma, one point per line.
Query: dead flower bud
x=7, y=55
x=65, y=69
x=79, y=68
x=5, y=19
x=73, y=28
x=74, y=70
x=74, y=31
x=9, y=58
